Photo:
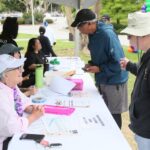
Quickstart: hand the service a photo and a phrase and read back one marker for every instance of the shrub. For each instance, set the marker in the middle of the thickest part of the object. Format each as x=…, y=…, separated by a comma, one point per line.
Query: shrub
x=27, y=18
x=38, y=17
x=50, y=21
x=2, y=21
x=21, y=21
x=118, y=27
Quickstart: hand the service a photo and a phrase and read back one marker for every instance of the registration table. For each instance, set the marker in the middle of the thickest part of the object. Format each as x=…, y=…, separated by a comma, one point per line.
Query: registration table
x=89, y=127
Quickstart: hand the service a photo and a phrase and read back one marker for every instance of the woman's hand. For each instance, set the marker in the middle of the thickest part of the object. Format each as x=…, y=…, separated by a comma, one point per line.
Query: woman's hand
x=31, y=91
x=37, y=112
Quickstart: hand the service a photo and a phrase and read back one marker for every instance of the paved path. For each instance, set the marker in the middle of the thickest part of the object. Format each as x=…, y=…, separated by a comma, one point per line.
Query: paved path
x=123, y=39
x=59, y=27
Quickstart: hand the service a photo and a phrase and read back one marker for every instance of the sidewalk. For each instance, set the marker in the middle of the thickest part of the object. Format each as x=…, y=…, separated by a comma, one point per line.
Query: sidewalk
x=59, y=28
x=123, y=40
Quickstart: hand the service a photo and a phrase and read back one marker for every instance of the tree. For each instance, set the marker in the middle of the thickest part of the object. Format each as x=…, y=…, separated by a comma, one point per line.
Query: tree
x=27, y=4
x=97, y=8
x=69, y=16
x=119, y=9
x=84, y=38
x=2, y=7
x=46, y=4
x=11, y=5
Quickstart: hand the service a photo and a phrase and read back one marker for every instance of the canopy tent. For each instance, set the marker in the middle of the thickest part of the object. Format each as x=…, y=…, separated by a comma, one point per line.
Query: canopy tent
x=75, y=3
x=78, y=4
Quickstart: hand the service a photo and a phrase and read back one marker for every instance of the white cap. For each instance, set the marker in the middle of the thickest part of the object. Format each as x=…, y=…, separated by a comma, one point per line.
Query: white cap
x=138, y=24
x=9, y=62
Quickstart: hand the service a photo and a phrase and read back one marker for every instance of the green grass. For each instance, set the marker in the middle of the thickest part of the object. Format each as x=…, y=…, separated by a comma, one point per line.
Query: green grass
x=25, y=36
x=22, y=40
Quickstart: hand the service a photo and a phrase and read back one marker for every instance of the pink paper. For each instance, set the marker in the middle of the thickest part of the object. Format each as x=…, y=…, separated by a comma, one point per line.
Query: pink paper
x=78, y=82
x=58, y=110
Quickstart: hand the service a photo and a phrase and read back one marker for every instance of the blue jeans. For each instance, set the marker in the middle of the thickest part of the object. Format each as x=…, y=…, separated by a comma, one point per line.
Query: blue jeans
x=143, y=143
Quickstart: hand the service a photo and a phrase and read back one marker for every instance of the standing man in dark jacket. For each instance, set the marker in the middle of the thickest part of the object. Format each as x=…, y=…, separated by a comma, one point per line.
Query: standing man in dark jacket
x=46, y=45
x=138, y=32
x=106, y=51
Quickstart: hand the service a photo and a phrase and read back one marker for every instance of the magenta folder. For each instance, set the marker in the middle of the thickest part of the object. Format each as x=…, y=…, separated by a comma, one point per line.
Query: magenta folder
x=58, y=110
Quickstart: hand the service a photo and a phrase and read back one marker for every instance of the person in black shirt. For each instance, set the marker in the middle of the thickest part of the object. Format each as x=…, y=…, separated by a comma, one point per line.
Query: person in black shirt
x=34, y=56
x=46, y=45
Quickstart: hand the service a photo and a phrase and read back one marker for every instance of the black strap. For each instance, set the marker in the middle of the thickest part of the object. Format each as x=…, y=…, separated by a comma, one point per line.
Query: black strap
x=6, y=142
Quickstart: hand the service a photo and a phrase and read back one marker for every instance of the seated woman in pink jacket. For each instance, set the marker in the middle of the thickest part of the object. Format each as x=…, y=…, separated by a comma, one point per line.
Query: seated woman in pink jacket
x=13, y=102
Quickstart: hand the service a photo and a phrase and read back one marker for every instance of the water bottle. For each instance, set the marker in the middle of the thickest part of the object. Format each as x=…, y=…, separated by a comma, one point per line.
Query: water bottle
x=39, y=76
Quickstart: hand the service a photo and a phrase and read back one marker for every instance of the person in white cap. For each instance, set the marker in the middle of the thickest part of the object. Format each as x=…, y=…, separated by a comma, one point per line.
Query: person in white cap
x=138, y=31
x=12, y=102
x=14, y=51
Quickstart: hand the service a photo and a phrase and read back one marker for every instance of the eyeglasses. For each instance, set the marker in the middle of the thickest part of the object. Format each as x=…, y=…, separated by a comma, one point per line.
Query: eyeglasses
x=18, y=68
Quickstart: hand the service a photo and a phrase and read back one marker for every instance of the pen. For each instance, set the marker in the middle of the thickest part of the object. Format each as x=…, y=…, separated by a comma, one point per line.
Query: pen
x=55, y=145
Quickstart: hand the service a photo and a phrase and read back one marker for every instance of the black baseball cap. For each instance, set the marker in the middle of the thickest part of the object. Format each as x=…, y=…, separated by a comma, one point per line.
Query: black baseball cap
x=84, y=15
x=9, y=48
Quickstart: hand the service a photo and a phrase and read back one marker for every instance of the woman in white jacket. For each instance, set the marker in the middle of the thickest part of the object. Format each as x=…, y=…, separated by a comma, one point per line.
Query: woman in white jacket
x=12, y=102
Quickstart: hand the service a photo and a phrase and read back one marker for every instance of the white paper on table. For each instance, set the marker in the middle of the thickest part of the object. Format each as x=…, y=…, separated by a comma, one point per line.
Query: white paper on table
x=60, y=85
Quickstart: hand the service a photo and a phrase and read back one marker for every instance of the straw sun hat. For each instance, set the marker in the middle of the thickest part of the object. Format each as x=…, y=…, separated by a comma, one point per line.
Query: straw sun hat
x=138, y=24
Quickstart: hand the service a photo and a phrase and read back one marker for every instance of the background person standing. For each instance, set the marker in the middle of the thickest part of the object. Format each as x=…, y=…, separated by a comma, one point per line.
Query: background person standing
x=106, y=18
x=46, y=45
x=49, y=33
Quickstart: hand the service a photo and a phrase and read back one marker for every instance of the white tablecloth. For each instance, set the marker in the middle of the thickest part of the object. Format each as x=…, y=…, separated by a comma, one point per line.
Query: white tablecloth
x=96, y=129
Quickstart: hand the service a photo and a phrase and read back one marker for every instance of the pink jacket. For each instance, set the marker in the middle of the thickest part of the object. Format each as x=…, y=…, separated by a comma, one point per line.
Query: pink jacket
x=10, y=122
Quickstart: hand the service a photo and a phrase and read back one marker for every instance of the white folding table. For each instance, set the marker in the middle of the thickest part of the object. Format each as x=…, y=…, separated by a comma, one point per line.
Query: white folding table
x=90, y=127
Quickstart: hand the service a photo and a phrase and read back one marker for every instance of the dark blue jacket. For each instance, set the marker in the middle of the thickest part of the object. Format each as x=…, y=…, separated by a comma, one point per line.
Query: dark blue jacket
x=140, y=99
x=106, y=52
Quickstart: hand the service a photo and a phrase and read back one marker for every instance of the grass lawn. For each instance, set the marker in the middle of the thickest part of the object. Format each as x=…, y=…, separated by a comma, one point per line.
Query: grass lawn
x=25, y=36
x=65, y=48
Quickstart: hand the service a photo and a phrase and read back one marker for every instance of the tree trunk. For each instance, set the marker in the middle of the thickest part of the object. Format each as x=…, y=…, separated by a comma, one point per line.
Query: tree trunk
x=69, y=20
x=97, y=8
x=84, y=38
x=27, y=9
x=27, y=4
x=46, y=5
x=118, y=21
